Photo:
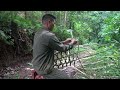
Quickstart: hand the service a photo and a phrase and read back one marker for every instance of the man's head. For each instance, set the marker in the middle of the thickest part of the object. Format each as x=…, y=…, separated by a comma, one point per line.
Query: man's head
x=48, y=21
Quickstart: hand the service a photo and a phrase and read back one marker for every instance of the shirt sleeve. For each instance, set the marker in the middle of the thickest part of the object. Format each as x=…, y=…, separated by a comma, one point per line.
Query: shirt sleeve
x=55, y=44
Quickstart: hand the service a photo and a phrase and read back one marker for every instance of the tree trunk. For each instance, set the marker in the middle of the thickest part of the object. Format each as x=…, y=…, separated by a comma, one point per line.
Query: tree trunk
x=65, y=18
x=25, y=13
x=15, y=36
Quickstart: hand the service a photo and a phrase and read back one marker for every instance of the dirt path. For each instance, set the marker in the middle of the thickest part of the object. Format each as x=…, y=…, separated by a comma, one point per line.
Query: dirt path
x=18, y=70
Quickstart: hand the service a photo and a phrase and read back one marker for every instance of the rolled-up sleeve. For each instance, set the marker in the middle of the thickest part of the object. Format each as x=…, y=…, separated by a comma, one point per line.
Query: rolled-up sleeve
x=55, y=44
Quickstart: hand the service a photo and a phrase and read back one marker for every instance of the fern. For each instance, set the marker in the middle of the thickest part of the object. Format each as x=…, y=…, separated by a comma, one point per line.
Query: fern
x=5, y=38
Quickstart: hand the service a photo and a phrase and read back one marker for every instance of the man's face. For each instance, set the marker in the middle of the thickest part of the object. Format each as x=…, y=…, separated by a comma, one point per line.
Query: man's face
x=51, y=25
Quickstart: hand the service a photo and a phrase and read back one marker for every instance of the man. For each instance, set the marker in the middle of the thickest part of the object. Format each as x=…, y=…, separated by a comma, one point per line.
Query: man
x=45, y=42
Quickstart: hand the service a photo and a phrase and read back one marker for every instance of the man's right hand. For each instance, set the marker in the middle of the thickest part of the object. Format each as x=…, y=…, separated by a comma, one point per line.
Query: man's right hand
x=67, y=41
x=73, y=41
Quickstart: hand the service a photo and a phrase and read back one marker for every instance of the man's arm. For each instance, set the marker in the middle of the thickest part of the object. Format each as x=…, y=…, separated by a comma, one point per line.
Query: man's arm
x=55, y=44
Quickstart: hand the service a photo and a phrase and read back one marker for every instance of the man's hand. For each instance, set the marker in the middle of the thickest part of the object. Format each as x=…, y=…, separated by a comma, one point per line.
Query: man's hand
x=67, y=41
x=73, y=41
x=70, y=40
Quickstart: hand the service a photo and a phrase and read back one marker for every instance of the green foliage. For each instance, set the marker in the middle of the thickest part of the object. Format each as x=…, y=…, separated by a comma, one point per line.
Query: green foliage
x=30, y=22
x=105, y=63
x=61, y=33
x=111, y=28
x=23, y=22
x=89, y=27
x=6, y=38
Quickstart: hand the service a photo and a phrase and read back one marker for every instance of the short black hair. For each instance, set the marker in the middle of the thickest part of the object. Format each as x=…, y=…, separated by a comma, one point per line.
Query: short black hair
x=48, y=17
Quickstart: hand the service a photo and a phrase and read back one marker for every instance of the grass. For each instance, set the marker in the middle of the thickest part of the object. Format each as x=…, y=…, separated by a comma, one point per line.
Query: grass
x=104, y=64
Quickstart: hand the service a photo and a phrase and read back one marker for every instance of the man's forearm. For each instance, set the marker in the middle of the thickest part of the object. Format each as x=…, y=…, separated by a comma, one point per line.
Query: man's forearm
x=65, y=42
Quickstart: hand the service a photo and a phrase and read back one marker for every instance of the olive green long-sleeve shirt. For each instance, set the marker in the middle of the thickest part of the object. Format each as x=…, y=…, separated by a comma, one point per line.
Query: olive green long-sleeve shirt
x=45, y=42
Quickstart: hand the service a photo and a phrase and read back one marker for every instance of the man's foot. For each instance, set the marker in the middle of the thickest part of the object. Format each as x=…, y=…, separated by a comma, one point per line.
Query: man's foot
x=35, y=75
